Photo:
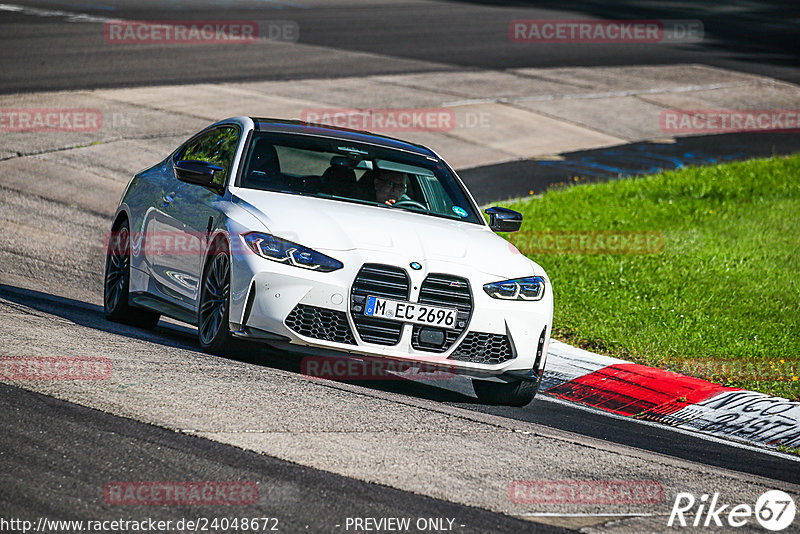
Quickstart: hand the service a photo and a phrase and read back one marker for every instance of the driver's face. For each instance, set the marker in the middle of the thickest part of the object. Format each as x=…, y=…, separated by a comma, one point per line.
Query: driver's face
x=389, y=186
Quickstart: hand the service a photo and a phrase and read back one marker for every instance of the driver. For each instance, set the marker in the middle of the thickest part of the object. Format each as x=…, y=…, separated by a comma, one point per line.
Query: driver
x=390, y=186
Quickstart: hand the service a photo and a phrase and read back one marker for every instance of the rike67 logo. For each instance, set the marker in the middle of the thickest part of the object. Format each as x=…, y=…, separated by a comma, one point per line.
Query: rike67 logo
x=774, y=510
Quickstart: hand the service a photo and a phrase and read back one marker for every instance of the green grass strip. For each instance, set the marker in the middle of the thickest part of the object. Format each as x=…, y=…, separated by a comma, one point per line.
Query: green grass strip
x=714, y=293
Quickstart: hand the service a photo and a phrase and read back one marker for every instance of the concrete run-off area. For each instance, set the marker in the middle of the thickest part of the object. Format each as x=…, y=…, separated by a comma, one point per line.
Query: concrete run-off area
x=413, y=444
x=489, y=117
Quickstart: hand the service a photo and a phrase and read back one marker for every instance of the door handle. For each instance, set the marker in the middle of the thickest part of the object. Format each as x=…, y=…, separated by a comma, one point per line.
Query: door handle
x=168, y=199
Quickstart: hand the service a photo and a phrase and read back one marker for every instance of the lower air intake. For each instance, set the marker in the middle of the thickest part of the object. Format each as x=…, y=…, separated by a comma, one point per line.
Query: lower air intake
x=480, y=347
x=320, y=323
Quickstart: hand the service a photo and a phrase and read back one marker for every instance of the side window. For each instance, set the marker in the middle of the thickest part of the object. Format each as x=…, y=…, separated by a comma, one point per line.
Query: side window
x=218, y=147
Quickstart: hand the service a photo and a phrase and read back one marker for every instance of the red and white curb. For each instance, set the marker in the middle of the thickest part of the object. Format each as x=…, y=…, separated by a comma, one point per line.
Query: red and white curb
x=633, y=390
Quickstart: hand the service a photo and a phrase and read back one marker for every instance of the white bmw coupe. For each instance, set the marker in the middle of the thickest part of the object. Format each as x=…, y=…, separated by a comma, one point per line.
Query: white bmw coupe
x=330, y=242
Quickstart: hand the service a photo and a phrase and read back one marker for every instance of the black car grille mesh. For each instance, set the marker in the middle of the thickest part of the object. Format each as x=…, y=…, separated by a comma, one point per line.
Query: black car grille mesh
x=380, y=281
x=447, y=292
x=320, y=323
x=480, y=347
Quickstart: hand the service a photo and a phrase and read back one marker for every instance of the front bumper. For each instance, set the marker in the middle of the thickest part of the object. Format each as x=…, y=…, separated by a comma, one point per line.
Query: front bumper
x=319, y=313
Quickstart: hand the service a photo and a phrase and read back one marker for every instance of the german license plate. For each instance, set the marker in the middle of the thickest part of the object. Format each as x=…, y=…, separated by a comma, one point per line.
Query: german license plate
x=410, y=312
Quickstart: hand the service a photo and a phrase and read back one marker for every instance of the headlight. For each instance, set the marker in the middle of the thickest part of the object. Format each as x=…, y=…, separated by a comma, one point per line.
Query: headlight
x=283, y=251
x=530, y=288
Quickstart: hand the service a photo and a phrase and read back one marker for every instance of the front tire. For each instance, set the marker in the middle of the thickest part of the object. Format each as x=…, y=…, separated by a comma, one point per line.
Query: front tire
x=116, y=286
x=213, y=329
x=517, y=393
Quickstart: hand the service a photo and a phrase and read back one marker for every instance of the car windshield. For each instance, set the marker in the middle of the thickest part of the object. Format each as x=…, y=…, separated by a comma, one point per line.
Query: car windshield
x=354, y=172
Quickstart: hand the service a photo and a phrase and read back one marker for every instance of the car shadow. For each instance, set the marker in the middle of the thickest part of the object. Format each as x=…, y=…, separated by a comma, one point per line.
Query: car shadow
x=183, y=337
x=493, y=183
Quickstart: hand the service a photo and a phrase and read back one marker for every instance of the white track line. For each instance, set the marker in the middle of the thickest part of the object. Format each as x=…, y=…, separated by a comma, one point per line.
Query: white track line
x=36, y=12
x=556, y=514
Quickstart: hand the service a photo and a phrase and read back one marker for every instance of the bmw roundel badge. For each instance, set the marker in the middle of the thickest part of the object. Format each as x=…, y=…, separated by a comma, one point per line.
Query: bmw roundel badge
x=415, y=265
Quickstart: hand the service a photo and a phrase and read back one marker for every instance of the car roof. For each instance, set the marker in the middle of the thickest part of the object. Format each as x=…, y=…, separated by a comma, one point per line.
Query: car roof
x=307, y=128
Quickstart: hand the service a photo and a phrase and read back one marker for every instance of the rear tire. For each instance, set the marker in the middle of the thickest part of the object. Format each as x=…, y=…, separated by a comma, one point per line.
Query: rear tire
x=518, y=393
x=213, y=330
x=116, y=285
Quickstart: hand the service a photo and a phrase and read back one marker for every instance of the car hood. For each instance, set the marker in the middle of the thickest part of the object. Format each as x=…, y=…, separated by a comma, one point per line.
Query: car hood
x=331, y=225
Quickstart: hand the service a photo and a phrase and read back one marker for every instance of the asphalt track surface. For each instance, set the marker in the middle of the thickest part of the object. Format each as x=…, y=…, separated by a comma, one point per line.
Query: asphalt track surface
x=83, y=448
x=544, y=410
x=356, y=38
x=59, y=456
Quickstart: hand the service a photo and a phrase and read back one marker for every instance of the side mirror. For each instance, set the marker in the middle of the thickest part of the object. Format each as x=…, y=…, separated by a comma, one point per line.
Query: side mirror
x=198, y=173
x=504, y=219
